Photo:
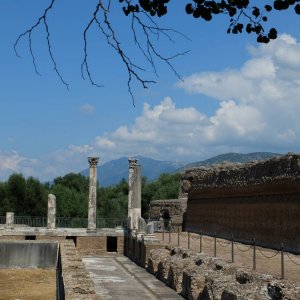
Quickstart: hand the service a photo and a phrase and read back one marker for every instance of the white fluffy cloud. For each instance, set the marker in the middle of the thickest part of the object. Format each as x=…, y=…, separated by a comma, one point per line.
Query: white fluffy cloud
x=87, y=108
x=259, y=101
x=13, y=162
x=259, y=110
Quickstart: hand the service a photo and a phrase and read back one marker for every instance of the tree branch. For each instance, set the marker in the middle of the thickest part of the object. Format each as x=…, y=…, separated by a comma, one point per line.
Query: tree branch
x=29, y=31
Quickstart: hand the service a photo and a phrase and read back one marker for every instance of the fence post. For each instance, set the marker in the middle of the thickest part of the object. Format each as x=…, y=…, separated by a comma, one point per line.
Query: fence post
x=215, y=246
x=200, y=241
x=178, y=237
x=254, y=255
x=188, y=240
x=169, y=236
x=232, y=250
x=282, y=262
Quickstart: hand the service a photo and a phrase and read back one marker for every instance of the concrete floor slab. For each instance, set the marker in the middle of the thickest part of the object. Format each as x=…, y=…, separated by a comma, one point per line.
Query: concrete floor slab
x=119, y=278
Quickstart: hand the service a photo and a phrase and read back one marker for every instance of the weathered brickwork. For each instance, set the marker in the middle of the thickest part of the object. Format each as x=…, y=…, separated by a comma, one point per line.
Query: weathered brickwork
x=196, y=276
x=12, y=237
x=255, y=200
x=171, y=207
x=76, y=281
x=97, y=245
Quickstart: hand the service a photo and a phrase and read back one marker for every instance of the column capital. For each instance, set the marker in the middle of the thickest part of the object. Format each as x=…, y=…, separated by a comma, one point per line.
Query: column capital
x=132, y=162
x=93, y=161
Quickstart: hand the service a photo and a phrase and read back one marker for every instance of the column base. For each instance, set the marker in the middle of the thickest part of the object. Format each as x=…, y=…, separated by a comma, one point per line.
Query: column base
x=91, y=230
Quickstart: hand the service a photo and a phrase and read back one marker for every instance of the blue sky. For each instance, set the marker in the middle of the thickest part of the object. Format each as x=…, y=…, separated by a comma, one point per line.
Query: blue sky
x=236, y=95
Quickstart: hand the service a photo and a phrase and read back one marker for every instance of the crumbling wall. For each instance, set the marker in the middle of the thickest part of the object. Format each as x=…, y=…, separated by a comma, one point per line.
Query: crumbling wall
x=172, y=206
x=77, y=283
x=258, y=200
x=196, y=276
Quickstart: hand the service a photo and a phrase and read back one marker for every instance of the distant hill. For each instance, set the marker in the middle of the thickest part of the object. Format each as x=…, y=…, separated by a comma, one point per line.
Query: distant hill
x=233, y=158
x=113, y=171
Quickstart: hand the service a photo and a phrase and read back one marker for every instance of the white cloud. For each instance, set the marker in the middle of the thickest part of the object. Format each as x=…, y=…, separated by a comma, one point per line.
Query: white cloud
x=13, y=162
x=259, y=110
x=104, y=143
x=87, y=108
x=80, y=149
x=259, y=101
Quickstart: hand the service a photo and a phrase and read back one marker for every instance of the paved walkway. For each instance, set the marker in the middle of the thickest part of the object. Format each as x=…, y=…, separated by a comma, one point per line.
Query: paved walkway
x=118, y=278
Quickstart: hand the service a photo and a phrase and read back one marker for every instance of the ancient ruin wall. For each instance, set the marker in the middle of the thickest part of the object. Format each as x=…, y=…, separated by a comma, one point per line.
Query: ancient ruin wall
x=172, y=206
x=258, y=200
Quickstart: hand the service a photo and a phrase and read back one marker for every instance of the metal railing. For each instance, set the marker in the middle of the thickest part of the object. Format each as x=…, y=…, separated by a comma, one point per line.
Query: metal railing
x=184, y=239
x=66, y=222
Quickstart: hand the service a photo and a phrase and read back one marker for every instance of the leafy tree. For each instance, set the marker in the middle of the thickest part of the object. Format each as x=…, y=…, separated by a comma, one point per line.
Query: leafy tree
x=4, y=205
x=243, y=16
x=29, y=197
x=35, y=201
x=16, y=193
x=165, y=187
x=71, y=193
x=74, y=181
x=113, y=201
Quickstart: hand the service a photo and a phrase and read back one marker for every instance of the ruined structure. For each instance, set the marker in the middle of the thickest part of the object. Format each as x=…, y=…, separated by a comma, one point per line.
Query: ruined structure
x=197, y=276
x=9, y=220
x=168, y=213
x=256, y=201
x=134, y=194
x=93, y=161
x=51, y=216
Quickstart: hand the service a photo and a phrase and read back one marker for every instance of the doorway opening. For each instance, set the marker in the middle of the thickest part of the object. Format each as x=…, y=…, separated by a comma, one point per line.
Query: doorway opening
x=112, y=244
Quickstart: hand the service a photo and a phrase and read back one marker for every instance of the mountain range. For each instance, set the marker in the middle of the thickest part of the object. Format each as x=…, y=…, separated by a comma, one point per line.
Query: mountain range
x=113, y=171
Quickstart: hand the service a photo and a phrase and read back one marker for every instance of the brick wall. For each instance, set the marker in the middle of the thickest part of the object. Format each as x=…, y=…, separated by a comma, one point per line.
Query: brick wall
x=256, y=200
x=270, y=219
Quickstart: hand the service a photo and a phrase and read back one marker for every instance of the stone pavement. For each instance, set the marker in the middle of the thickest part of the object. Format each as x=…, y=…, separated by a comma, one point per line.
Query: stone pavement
x=118, y=278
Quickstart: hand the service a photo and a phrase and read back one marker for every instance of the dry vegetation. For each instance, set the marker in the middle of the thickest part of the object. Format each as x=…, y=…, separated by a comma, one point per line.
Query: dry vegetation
x=27, y=284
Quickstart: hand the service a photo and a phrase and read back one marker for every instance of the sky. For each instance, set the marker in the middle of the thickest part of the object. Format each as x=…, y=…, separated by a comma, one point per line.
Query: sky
x=233, y=94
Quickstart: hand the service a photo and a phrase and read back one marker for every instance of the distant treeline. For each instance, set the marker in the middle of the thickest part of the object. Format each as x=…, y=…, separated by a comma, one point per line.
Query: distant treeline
x=28, y=197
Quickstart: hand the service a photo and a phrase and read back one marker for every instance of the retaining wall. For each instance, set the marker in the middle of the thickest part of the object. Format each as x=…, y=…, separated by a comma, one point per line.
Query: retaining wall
x=28, y=254
x=258, y=201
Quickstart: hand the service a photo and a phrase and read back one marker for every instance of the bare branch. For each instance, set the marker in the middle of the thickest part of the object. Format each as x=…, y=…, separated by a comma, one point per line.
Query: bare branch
x=28, y=32
x=84, y=64
x=32, y=55
x=155, y=29
x=146, y=43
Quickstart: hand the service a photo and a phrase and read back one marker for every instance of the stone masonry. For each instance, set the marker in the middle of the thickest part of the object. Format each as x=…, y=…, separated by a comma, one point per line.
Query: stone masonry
x=199, y=277
x=257, y=200
x=93, y=161
x=51, y=217
x=134, y=194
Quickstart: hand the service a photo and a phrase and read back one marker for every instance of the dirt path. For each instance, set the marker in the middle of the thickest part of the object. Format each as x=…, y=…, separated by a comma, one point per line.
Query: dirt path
x=267, y=261
x=27, y=284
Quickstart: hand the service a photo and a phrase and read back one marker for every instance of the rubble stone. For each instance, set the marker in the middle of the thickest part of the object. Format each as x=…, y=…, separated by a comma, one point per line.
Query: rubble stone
x=196, y=276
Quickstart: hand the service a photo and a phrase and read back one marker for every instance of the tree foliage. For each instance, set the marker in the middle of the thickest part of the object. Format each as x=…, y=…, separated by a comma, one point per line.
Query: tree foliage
x=23, y=196
x=28, y=197
x=243, y=16
x=242, y=13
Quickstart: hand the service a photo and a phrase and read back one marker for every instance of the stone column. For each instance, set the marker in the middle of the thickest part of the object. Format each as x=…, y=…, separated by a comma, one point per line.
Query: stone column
x=92, y=193
x=131, y=180
x=9, y=220
x=137, y=198
x=51, y=218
